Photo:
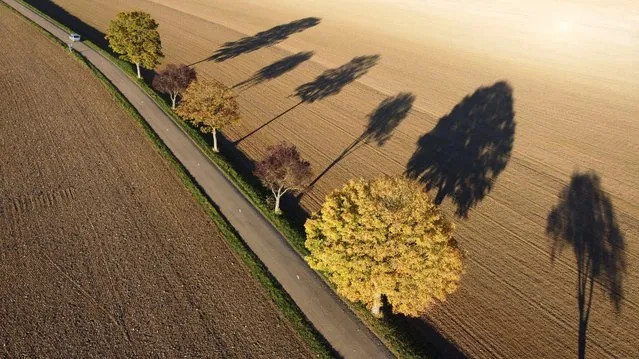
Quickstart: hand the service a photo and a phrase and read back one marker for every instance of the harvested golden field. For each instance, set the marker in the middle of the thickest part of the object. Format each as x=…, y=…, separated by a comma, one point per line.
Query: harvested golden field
x=103, y=251
x=493, y=105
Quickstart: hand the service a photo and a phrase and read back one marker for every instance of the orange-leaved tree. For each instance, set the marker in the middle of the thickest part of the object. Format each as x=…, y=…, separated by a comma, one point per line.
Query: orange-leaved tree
x=384, y=238
x=134, y=35
x=209, y=105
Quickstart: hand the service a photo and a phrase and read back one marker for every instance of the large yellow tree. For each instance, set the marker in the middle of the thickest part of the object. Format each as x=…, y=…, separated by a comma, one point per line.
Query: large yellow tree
x=385, y=238
x=209, y=105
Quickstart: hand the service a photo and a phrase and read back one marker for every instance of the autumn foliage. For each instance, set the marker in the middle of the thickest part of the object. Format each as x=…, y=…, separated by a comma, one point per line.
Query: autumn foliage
x=283, y=170
x=209, y=105
x=173, y=80
x=385, y=238
x=134, y=35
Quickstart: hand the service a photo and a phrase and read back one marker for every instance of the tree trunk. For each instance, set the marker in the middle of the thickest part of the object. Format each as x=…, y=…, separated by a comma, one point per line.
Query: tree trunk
x=173, y=97
x=377, y=305
x=214, y=132
x=277, y=204
x=138, y=67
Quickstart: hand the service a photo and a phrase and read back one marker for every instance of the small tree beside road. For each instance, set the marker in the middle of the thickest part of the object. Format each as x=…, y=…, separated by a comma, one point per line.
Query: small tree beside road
x=209, y=105
x=384, y=238
x=134, y=35
x=283, y=170
x=173, y=80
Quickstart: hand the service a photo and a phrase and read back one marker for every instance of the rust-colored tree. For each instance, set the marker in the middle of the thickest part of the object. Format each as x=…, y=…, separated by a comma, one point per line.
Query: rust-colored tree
x=209, y=105
x=173, y=80
x=283, y=170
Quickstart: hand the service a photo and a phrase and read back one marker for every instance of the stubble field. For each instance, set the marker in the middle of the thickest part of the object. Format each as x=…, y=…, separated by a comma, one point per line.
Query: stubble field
x=498, y=154
x=103, y=251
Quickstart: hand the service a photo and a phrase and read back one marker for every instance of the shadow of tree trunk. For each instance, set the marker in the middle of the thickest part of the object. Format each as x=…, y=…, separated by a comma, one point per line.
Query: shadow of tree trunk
x=266, y=123
x=329, y=83
x=584, y=219
x=382, y=122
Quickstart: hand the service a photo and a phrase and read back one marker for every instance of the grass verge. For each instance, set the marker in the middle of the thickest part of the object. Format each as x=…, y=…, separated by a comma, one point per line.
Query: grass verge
x=285, y=304
x=390, y=331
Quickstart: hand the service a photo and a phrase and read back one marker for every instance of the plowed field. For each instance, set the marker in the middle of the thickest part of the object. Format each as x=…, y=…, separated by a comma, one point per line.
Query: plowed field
x=103, y=251
x=498, y=159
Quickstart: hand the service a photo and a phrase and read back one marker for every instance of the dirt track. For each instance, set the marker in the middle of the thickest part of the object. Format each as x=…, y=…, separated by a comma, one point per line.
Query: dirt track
x=103, y=251
x=575, y=82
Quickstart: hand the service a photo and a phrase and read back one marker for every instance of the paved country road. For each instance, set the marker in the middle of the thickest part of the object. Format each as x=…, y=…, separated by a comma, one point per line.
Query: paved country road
x=321, y=306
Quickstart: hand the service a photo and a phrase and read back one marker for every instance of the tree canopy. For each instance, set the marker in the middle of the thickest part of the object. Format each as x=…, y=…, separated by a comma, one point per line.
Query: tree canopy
x=385, y=238
x=283, y=170
x=209, y=105
x=134, y=35
x=173, y=80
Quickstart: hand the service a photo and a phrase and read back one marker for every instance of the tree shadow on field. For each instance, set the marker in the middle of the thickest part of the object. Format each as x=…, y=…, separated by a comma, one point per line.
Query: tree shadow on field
x=260, y=40
x=329, y=83
x=61, y=15
x=463, y=155
x=275, y=70
x=421, y=335
x=86, y=31
x=585, y=220
x=332, y=81
x=381, y=124
x=417, y=332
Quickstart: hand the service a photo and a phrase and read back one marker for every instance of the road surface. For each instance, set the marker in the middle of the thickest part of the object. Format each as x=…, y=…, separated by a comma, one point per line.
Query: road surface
x=348, y=336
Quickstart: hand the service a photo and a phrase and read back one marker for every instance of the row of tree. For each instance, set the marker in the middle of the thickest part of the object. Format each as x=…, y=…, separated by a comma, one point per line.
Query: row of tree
x=384, y=240
x=376, y=240
x=208, y=105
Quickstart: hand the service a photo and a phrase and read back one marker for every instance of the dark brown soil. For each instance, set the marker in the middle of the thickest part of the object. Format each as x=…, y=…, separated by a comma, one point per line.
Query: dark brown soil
x=103, y=252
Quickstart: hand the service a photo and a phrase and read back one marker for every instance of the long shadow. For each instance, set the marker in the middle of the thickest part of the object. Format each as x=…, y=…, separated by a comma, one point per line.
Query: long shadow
x=330, y=82
x=266, y=123
x=290, y=205
x=381, y=124
x=260, y=40
x=421, y=335
x=61, y=15
x=275, y=70
x=585, y=220
x=87, y=31
x=463, y=155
